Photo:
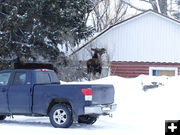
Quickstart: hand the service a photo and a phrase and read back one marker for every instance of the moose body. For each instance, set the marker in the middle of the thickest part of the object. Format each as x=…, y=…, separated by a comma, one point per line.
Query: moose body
x=94, y=65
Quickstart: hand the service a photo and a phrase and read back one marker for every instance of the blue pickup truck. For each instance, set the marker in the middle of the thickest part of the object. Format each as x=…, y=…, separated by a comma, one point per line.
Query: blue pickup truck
x=38, y=92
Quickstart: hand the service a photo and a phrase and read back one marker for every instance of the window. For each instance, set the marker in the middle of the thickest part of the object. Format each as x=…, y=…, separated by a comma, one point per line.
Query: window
x=4, y=78
x=42, y=77
x=160, y=71
x=54, y=78
x=20, y=78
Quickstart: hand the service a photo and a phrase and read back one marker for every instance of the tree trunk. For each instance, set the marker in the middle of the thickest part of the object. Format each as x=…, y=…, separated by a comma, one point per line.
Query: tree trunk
x=163, y=6
x=154, y=5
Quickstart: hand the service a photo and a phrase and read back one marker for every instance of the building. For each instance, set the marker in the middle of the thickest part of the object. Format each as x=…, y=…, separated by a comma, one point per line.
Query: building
x=148, y=43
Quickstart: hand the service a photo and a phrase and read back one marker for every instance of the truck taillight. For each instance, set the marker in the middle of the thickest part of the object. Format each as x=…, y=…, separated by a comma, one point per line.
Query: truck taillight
x=88, y=93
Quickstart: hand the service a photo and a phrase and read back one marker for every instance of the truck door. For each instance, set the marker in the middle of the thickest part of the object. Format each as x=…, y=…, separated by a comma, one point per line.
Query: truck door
x=4, y=79
x=19, y=94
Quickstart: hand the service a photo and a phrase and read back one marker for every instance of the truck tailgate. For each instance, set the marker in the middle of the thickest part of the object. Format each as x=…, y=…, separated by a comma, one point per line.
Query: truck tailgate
x=102, y=94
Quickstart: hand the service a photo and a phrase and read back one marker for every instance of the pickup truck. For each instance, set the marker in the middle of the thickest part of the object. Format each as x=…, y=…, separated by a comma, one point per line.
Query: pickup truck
x=38, y=92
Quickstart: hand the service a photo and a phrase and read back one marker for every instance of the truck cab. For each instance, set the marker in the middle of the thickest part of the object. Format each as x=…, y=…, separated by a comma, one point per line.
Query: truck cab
x=16, y=88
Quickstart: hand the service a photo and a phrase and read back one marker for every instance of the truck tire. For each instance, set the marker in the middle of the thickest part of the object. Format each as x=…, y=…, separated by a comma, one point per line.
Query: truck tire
x=2, y=117
x=86, y=119
x=61, y=116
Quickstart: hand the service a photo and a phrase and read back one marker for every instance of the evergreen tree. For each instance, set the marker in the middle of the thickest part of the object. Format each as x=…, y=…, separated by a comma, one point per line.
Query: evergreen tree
x=34, y=28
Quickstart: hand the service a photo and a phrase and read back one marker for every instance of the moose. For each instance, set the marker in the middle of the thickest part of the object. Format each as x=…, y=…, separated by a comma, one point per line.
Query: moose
x=94, y=65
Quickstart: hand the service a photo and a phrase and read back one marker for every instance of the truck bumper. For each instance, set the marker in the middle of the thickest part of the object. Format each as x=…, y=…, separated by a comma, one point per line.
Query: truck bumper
x=100, y=109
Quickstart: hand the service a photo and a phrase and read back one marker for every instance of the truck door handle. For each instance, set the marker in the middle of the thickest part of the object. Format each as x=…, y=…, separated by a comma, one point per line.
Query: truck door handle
x=4, y=89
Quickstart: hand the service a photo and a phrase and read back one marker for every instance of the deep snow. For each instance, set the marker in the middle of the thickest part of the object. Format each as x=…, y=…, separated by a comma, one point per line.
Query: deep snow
x=138, y=112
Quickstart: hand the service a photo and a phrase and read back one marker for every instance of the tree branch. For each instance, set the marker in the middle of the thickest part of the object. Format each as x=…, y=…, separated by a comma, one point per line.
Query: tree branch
x=3, y=14
x=129, y=4
x=9, y=39
x=145, y=1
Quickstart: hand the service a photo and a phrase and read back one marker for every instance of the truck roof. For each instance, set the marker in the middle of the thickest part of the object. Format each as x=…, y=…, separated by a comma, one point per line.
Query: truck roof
x=20, y=65
x=26, y=70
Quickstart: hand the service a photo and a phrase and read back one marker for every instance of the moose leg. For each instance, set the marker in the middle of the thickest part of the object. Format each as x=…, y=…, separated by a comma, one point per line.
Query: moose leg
x=100, y=74
x=90, y=73
x=99, y=70
x=90, y=76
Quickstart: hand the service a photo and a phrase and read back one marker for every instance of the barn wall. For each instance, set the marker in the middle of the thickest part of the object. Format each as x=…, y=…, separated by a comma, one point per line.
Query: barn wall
x=148, y=37
x=134, y=69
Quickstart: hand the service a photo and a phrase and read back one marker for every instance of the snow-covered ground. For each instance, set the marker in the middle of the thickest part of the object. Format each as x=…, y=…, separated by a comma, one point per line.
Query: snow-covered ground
x=139, y=112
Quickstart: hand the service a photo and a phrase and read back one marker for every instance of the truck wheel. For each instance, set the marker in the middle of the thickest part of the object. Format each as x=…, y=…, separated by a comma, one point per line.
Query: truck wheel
x=2, y=117
x=87, y=119
x=60, y=116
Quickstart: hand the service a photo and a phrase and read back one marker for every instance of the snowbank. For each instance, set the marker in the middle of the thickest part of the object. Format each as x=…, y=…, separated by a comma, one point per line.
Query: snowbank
x=139, y=112
x=144, y=112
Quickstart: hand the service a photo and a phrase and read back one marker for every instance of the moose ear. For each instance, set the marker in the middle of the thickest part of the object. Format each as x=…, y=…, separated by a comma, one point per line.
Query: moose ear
x=93, y=49
x=103, y=50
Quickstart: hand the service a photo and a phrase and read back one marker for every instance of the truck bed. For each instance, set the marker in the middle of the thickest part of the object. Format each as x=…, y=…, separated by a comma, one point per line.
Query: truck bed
x=101, y=94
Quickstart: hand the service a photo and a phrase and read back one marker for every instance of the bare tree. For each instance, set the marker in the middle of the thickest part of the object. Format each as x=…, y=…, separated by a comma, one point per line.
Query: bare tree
x=175, y=8
x=165, y=7
x=106, y=13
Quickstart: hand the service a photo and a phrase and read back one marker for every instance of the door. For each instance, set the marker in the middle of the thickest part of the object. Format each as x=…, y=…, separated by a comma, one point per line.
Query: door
x=4, y=79
x=19, y=94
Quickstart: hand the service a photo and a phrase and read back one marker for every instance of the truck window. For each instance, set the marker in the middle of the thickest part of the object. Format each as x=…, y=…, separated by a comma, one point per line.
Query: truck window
x=20, y=78
x=42, y=77
x=54, y=78
x=4, y=78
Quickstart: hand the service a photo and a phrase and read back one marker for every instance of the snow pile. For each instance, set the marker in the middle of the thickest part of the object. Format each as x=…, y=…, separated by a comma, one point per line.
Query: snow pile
x=139, y=112
x=143, y=112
